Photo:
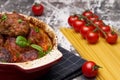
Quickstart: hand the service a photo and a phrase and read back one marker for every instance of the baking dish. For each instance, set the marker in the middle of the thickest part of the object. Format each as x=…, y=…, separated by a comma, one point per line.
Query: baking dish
x=36, y=68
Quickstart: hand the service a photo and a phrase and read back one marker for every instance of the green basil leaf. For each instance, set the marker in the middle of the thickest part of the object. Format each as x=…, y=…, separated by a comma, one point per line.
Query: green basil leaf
x=22, y=41
x=37, y=47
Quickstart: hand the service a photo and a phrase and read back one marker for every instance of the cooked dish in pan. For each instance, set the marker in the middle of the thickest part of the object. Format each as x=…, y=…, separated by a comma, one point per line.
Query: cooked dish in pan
x=22, y=38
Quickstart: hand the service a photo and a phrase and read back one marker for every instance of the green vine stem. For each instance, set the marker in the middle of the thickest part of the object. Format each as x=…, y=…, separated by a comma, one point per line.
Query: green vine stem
x=92, y=24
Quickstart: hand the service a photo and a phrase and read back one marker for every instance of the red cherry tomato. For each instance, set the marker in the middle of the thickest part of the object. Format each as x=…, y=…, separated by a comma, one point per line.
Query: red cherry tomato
x=71, y=19
x=106, y=29
x=92, y=37
x=93, y=18
x=112, y=37
x=37, y=9
x=90, y=69
x=87, y=13
x=84, y=29
x=78, y=24
x=98, y=22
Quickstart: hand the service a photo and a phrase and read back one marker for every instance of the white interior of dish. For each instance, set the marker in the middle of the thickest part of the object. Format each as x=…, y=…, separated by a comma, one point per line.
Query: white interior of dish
x=49, y=58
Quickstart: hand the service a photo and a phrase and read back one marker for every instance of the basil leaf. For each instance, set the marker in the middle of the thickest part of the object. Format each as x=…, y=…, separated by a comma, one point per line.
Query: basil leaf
x=40, y=50
x=37, y=47
x=22, y=41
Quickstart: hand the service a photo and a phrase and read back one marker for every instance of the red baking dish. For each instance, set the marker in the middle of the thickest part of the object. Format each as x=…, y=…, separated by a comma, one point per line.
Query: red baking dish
x=36, y=68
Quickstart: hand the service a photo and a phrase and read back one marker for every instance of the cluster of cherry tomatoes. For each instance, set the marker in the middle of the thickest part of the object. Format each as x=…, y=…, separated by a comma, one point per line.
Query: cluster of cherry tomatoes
x=91, y=27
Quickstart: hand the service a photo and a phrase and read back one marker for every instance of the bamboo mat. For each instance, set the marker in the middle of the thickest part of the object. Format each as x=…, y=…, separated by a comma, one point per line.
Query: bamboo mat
x=105, y=55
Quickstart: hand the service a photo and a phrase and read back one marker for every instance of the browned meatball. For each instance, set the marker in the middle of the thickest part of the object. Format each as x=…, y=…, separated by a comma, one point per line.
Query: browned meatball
x=18, y=53
x=13, y=24
x=14, y=49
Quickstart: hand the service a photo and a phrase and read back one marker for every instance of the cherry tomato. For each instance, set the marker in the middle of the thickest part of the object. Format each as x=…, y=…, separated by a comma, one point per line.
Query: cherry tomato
x=93, y=18
x=90, y=69
x=87, y=13
x=92, y=37
x=37, y=9
x=71, y=19
x=98, y=22
x=84, y=29
x=78, y=24
x=106, y=29
x=112, y=37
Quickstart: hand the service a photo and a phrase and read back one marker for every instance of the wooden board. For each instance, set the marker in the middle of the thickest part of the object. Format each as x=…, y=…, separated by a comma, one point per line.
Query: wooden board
x=105, y=55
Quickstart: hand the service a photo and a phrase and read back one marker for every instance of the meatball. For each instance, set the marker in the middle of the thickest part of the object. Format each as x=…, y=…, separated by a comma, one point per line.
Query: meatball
x=5, y=55
x=13, y=24
x=20, y=54
x=14, y=49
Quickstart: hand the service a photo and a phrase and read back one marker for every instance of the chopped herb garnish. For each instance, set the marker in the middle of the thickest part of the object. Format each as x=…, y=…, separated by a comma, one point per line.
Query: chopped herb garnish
x=19, y=20
x=4, y=17
x=37, y=29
